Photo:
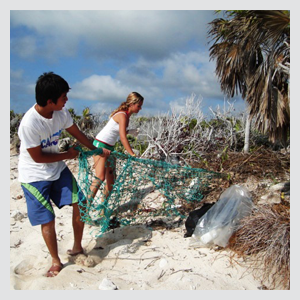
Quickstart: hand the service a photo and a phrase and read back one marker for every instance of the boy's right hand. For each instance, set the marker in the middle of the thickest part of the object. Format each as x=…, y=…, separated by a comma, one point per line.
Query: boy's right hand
x=106, y=152
x=72, y=152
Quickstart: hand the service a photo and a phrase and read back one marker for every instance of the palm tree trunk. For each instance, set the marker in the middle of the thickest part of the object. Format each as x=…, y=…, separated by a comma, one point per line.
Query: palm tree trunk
x=247, y=134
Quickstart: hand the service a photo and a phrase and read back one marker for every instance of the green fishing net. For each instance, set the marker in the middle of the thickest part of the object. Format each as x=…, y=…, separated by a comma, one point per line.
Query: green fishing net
x=143, y=189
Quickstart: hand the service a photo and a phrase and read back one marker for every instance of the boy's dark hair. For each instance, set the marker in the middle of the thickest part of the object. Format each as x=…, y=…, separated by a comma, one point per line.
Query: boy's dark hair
x=50, y=86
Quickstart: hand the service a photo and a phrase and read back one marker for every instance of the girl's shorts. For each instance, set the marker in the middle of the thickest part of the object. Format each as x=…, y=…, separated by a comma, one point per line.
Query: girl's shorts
x=99, y=144
x=63, y=191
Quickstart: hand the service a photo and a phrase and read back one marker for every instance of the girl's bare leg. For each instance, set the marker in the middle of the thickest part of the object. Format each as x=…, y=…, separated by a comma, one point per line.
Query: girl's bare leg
x=110, y=179
x=104, y=170
x=110, y=176
x=99, y=165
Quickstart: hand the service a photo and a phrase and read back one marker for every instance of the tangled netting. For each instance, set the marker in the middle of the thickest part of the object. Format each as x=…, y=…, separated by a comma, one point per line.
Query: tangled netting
x=143, y=189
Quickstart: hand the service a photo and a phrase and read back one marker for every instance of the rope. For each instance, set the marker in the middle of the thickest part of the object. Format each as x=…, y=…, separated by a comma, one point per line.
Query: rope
x=137, y=181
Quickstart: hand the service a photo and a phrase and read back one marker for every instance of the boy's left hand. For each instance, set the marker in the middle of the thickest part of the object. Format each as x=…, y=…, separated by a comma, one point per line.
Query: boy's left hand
x=105, y=153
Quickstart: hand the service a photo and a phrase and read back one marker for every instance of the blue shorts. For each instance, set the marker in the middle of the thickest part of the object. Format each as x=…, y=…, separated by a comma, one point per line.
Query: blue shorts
x=63, y=191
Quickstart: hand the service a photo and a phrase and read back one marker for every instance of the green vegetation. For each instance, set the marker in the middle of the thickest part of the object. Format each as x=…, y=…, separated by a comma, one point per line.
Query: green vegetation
x=223, y=131
x=15, y=120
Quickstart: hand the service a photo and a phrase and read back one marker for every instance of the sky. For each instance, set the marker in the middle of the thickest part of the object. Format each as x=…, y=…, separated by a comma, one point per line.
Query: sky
x=106, y=54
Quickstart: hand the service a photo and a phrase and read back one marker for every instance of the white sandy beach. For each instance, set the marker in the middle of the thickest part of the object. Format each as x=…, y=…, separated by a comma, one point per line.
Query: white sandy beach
x=128, y=258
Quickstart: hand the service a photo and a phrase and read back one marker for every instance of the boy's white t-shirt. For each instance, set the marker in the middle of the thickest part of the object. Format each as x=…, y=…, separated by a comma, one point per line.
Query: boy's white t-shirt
x=35, y=130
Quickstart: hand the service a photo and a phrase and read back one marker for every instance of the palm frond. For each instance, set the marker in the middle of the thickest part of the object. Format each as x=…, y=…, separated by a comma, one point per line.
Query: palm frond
x=252, y=52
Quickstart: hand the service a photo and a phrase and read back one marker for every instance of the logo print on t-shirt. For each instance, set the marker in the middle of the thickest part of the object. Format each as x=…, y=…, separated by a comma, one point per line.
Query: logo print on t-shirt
x=51, y=141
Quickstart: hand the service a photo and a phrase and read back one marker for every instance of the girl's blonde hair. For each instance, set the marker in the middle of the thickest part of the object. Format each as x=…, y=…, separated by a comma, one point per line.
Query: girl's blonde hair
x=132, y=98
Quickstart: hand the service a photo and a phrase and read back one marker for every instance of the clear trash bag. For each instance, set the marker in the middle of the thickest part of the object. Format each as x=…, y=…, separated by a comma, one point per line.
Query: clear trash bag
x=220, y=222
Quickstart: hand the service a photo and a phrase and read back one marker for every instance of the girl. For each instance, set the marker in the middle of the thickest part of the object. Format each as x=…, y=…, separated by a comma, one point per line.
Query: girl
x=107, y=137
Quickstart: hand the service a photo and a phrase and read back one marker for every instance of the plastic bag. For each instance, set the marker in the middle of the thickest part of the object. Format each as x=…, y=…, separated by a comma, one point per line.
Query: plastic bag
x=220, y=222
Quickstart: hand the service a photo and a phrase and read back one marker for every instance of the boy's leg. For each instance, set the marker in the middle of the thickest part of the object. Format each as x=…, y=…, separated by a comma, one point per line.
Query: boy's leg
x=78, y=227
x=40, y=212
x=66, y=192
x=49, y=235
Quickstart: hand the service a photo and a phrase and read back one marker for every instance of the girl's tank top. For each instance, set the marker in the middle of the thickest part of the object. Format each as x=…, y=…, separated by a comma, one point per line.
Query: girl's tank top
x=110, y=132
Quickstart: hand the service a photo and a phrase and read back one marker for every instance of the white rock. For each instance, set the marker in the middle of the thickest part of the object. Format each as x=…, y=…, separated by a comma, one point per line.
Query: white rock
x=277, y=187
x=270, y=198
x=89, y=262
x=17, y=215
x=106, y=285
x=163, y=263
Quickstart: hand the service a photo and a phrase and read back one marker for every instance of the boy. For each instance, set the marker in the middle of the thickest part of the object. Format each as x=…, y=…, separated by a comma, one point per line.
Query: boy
x=42, y=172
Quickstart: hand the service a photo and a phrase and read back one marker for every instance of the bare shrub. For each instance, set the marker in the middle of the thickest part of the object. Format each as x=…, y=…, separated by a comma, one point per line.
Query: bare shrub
x=99, y=121
x=233, y=127
x=186, y=134
x=176, y=135
x=263, y=240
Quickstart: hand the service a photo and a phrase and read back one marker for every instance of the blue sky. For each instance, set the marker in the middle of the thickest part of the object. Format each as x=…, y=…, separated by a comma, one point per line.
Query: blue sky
x=106, y=54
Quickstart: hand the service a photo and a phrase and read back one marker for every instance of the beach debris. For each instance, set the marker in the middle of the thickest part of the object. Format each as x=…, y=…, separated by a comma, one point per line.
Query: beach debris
x=217, y=225
x=64, y=144
x=193, y=218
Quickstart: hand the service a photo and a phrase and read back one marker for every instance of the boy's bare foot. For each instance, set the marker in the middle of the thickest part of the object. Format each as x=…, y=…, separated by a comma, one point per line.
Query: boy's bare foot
x=54, y=270
x=71, y=253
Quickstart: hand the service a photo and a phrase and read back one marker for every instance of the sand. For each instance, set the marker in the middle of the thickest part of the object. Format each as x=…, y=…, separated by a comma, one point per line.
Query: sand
x=127, y=258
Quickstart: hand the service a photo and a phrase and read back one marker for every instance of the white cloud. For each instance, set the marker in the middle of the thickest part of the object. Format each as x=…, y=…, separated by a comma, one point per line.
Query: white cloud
x=100, y=88
x=180, y=70
x=108, y=92
x=105, y=55
x=25, y=47
x=151, y=34
x=183, y=73
x=16, y=74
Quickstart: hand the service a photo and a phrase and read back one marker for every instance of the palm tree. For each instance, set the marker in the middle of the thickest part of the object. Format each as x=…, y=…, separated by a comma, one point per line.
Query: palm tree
x=252, y=52
x=76, y=118
x=86, y=122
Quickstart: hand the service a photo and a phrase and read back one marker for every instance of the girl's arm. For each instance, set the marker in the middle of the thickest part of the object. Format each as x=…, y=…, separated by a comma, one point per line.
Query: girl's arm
x=82, y=138
x=123, y=121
